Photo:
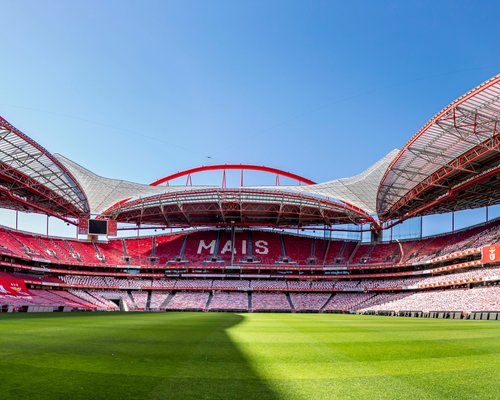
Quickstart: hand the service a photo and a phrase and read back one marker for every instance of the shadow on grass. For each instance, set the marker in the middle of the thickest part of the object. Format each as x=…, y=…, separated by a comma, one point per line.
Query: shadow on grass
x=134, y=356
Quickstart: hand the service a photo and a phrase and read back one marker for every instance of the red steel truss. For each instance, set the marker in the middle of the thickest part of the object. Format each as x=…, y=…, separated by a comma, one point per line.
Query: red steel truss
x=451, y=163
x=31, y=179
x=226, y=167
x=242, y=207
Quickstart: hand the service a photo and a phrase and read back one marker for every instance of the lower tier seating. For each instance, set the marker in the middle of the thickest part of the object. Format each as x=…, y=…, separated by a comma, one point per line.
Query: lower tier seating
x=309, y=301
x=270, y=302
x=235, y=301
x=484, y=298
x=467, y=300
x=184, y=301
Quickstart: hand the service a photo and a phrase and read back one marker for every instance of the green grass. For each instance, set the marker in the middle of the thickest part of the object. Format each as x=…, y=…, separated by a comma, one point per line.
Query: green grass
x=246, y=356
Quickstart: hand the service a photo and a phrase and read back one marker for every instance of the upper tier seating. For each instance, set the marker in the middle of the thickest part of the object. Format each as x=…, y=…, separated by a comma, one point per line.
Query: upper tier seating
x=426, y=249
x=85, y=251
x=200, y=247
x=112, y=252
x=266, y=247
x=139, y=250
x=298, y=249
x=168, y=248
x=240, y=247
x=9, y=245
x=33, y=247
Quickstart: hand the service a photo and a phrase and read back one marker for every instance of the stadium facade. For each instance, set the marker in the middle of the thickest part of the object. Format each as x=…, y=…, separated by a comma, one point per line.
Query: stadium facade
x=227, y=259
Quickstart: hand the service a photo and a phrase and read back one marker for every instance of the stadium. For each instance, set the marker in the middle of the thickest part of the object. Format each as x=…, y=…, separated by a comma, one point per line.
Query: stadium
x=249, y=248
x=225, y=256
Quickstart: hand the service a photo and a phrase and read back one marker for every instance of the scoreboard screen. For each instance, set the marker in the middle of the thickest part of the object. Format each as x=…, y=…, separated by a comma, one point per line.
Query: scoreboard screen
x=98, y=227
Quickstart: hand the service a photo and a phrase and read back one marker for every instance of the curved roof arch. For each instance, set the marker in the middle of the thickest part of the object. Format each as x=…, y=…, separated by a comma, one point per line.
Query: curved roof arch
x=452, y=163
x=32, y=179
x=224, y=167
x=347, y=200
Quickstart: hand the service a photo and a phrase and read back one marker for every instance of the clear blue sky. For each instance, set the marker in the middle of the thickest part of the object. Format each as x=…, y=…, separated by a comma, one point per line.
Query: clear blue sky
x=140, y=89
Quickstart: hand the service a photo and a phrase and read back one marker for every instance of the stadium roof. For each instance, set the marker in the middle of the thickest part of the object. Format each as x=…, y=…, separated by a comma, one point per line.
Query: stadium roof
x=138, y=203
x=359, y=191
x=241, y=206
x=102, y=193
x=31, y=179
x=451, y=164
x=341, y=201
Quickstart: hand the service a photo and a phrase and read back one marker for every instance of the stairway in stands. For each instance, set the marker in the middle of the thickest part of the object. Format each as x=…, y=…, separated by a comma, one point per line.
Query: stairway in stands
x=354, y=252
x=210, y=297
x=326, y=302
x=183, y=247
x=47, y=250
x=167, y=300
x=125, y=254
x=325, y=257
x=100, y=256
x=313, y=249
x=148, y=301
x=290, y=302
x=132, y=300
x=250, y=244
x=342, y=249
x=283, y=248
x=72, y=251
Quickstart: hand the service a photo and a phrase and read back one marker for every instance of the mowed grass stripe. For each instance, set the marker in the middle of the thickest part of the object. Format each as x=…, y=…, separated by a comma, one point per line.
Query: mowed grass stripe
x=261, y=356
x=437, y=356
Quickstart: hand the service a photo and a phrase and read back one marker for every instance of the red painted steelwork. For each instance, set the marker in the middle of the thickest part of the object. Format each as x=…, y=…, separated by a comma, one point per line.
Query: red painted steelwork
x=492, y=144
x=438, y=116
x=457, y=164
x=4, y=123
x=449, y=195
x=224, y=167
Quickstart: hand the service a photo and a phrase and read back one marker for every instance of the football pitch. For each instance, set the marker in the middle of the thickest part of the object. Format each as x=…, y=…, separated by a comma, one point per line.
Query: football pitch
x=246, y=356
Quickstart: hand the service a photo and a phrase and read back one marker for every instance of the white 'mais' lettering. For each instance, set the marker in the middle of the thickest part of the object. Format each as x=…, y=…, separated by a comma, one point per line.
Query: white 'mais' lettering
x=203, y=246
x=261, y=247
x=227, y=248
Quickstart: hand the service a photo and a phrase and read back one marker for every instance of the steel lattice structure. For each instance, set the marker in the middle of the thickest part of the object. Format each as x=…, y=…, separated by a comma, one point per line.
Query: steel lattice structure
x=31, y=179
x=244, y=207
x=451, y=164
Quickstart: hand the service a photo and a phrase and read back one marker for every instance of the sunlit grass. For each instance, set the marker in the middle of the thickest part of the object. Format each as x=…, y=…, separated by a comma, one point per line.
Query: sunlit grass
x=246, y=356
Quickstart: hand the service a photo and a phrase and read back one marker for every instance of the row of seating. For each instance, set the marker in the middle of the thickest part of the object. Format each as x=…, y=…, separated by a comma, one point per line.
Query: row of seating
x=463, y=300
x=473, y=275
x=265, y=247
x=467, y=300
